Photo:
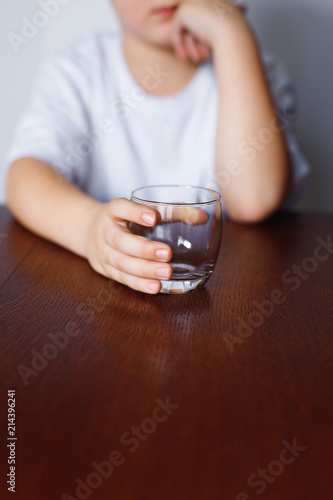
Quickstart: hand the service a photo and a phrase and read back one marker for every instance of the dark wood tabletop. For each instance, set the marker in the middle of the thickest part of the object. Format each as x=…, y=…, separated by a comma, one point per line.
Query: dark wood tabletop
x=222, y=393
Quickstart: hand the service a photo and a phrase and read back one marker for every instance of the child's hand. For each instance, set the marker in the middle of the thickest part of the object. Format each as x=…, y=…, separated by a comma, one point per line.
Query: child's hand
x=197, y=26
x=113, y=251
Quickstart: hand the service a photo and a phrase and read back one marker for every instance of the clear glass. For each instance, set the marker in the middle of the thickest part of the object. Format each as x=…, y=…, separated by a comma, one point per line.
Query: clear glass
x=190, y=222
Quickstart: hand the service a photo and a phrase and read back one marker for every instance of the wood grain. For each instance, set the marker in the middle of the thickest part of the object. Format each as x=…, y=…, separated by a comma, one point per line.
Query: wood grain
x=15, y=244
x=237, y=404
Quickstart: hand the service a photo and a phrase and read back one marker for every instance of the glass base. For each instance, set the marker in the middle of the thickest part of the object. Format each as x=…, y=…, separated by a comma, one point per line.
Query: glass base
x=182, y=286
x=186, y=278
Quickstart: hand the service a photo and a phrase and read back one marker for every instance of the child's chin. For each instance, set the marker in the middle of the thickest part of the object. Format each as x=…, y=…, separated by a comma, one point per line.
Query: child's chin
x=162, y=37
x=165, y=43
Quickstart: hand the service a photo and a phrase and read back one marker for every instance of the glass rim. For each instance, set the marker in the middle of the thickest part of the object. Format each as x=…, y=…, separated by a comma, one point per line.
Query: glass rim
x=217, y=199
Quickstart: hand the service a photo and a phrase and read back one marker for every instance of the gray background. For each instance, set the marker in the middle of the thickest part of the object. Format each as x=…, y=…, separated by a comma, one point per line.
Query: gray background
x=299, y=32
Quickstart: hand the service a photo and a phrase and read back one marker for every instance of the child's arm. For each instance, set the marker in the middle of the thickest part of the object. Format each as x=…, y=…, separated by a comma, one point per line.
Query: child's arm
x=50, y=206
x=255, y=189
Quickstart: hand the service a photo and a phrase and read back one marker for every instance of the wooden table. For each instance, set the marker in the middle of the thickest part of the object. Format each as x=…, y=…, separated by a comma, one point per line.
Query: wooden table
x=216, y=394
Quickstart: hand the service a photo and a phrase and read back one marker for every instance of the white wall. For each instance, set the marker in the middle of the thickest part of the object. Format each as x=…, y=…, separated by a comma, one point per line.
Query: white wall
x=74, y=19
x=298, y=31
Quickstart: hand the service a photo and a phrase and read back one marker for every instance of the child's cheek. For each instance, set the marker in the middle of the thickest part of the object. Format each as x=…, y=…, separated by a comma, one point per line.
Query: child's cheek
x=131, y=11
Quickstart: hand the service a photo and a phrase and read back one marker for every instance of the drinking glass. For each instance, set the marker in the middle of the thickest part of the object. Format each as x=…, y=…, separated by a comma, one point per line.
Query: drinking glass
x=189, y=220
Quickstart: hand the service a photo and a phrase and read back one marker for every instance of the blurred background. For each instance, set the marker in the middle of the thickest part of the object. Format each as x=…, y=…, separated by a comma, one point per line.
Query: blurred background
x=298, y=32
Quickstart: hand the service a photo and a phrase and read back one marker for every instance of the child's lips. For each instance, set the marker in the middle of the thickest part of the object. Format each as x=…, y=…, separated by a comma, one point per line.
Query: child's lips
x=167, y=11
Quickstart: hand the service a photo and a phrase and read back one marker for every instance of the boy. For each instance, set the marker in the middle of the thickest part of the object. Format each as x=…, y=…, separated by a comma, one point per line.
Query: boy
x=189, y=102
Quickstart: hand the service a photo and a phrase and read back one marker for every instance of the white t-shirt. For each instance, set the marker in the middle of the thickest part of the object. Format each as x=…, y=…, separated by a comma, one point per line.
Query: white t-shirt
x=95, y=124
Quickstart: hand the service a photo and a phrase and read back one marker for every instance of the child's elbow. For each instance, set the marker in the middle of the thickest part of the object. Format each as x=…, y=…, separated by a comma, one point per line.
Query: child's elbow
x=256, y=210
x=260, y=201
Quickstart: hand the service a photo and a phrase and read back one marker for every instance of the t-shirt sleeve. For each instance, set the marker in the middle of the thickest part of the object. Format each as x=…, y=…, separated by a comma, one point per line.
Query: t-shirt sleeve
x=54, y=127
x=284, y=96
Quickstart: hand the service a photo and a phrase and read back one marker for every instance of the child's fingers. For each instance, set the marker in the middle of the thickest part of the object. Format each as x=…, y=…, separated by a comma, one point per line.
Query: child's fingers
x=140, y=268
x=196, y=50
x=122, y=210
x=191, y=48
x=178, y=40
x=133, y=245
x=204, y=51
x=191, y=216
x=151, y=286
x=140, y=284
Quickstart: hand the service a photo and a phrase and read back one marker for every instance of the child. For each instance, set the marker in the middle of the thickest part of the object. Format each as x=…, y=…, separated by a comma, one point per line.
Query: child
x=179, y=98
